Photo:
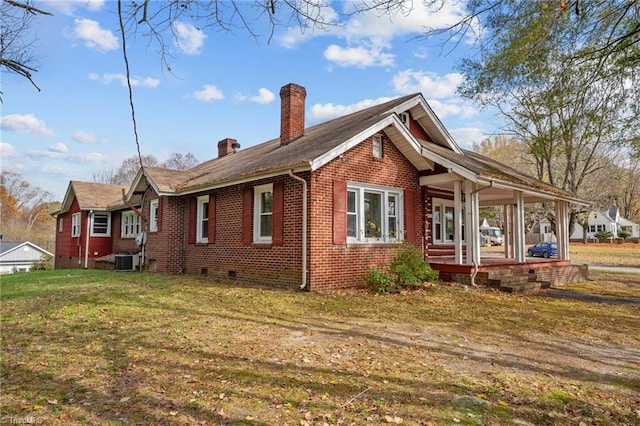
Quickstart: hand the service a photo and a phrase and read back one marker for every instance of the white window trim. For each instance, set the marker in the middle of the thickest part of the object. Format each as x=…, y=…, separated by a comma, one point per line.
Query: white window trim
x=360, y=189
x=257, y=204
x=200, y=218
x=76, y=224
x=108, y=233
x=377, y=146
x=60, y=224
x=443, y=204
x=124, y=226
x=153, y=215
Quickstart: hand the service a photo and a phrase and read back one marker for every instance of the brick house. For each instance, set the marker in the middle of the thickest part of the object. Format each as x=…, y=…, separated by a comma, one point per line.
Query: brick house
x=314, y=208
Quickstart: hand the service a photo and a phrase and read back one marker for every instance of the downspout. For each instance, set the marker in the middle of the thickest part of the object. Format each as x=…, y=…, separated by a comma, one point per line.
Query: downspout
x=475, y=264
x=304, y=228
x=86, y=247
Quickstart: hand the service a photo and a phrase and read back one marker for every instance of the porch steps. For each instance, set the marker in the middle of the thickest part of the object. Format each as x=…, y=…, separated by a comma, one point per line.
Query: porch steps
x=517, y=280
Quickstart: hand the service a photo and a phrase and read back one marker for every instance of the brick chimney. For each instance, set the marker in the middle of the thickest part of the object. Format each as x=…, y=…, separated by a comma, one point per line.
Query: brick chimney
x=292, y=99
x=227, y=146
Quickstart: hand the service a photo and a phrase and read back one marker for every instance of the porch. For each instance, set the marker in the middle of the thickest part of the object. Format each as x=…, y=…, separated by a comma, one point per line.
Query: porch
x=506, y=274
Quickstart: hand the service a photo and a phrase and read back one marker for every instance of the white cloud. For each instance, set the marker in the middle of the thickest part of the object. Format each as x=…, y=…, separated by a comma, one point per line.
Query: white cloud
x=429, y=83
x=467, y=136
x=409, y=18
x=189, y=39
x=69, y=6
x=91, y=157
x=20, y=123
x=208, y=93
x=322, y=112
x=361, y=56
x=84, y=137
x=7, y=150
x=59, y=147
x=149, y=82
x=94, y=36
x=452, y=107
x=264, y=96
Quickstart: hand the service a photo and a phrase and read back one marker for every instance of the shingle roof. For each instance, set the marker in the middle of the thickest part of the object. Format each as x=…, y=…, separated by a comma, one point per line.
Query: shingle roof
x=491, y=169
x=271, y=156
x=9, y=245
x=317, y=141
x=102, y=196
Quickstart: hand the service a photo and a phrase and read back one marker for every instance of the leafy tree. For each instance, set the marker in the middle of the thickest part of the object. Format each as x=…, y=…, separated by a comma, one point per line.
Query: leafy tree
x=126, y=173
x=25, y=211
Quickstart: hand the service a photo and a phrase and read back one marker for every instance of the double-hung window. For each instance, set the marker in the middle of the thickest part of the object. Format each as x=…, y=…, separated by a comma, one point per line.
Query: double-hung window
x=153, y=215
x=75, y=224
x=130, y=224
x=374, y=213
x=263, y=216
x=202, y=230
x=443, y=221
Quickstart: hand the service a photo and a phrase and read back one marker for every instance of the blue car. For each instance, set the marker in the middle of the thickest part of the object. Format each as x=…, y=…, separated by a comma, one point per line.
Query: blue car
x=545, y=250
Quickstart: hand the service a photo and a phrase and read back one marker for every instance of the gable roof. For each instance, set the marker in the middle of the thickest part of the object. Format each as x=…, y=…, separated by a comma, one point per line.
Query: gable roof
x=324, y=142
x=318, y=145
x=92, y=196
x=7, y=247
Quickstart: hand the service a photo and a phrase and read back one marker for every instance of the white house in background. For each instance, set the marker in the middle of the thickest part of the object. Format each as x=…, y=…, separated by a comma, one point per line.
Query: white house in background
x=18, y=256
x=607, y=221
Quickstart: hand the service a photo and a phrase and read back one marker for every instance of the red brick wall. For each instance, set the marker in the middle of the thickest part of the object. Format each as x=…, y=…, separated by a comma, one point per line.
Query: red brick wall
x=122, y=245
x=331, y=266
x=278, y=266
x=341, y=266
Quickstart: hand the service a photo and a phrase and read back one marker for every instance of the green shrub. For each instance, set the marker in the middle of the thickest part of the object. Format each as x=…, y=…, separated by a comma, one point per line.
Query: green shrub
x=624, y=234
x=380, y=282
x=46, y=264
x=635, y=240
x=408, y=268
x=603, y=235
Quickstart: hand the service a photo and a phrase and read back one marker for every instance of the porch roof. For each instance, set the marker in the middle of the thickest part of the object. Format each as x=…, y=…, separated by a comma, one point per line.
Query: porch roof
x=499, y=180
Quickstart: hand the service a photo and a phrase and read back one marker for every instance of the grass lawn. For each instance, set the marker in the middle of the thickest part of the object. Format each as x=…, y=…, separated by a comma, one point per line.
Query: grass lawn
x=96, y=347
x=627, y=254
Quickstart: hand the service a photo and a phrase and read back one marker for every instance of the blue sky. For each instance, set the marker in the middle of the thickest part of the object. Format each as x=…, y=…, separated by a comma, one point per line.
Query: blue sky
x=221, y=85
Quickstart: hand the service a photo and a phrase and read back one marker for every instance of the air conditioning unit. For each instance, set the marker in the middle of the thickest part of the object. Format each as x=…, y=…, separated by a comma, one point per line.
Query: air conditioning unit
x=126, y=262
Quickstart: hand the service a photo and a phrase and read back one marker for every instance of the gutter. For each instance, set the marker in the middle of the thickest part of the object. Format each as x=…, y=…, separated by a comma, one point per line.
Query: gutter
x=304, y=228
x=86, y=248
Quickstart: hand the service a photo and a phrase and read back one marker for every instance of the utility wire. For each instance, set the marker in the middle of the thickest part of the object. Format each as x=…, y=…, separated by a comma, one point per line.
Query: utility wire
x=126, y=63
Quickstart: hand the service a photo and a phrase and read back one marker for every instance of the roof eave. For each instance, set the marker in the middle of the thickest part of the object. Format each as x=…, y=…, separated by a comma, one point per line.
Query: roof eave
x=531, y=190
x=442, y=131
x=295, y=168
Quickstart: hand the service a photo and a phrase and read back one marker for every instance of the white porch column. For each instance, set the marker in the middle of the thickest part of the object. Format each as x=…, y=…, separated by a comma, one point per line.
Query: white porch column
x=562, y=229
x=508, y=231
x=468, y=221
x=518, y=225
x=457, y=221
x=473, y=213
